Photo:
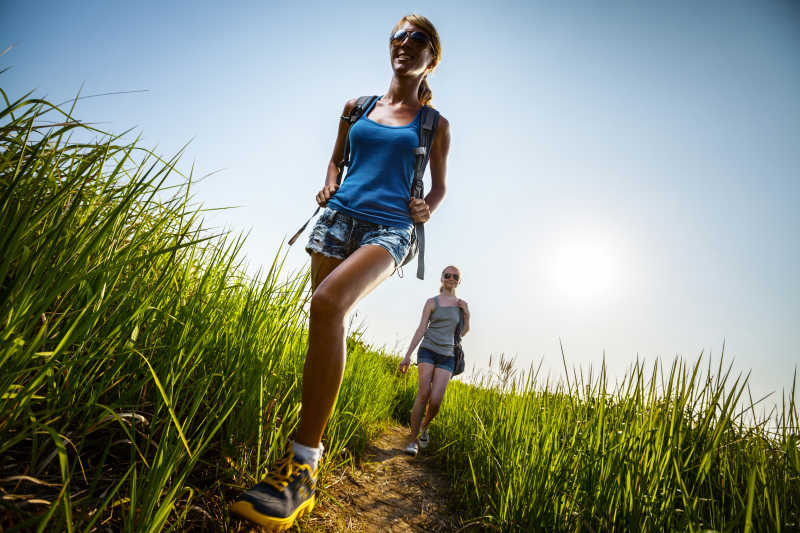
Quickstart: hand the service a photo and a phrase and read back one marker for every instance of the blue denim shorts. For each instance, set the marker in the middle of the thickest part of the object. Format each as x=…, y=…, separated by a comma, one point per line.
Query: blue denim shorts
x=446, y=362
x=337, y=234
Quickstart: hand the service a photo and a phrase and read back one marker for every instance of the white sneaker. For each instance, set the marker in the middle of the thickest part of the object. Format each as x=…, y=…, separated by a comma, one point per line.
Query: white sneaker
x=424, y=439
x=412, y=449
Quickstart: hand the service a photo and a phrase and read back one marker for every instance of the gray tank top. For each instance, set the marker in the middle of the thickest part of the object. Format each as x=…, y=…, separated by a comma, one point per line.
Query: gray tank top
x=441, y=328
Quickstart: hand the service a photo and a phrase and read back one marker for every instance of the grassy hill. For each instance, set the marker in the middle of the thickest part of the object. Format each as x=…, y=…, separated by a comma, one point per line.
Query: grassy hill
x=145, y=378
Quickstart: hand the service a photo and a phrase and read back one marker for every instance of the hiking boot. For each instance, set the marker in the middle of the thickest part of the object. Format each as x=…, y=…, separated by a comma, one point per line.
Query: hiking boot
x=424, y=439
x=286, y=494
x=412, y=449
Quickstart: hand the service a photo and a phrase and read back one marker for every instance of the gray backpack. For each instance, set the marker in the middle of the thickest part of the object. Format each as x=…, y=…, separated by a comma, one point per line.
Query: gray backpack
x=458, y=351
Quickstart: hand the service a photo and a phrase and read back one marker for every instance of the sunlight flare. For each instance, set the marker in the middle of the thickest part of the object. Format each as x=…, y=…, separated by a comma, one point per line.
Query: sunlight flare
x=584, y=270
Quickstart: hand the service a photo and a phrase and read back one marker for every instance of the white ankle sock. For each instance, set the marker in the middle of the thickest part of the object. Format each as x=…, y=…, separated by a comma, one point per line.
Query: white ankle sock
x=308, y=455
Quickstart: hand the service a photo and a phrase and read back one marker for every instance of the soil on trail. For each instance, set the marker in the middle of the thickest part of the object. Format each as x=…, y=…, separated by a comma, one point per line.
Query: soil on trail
x=388, y=491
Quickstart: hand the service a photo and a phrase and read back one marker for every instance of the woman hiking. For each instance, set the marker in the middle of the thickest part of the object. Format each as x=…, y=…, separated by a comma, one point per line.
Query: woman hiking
x=435, y=359
x=359, y=240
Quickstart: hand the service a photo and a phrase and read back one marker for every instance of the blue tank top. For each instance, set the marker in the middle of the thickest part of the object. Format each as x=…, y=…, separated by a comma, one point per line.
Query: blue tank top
x=377, y=188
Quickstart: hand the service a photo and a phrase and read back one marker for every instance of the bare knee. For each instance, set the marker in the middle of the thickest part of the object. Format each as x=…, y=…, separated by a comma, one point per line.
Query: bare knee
x=434, y=405
x=424, y=394
x=326, y=306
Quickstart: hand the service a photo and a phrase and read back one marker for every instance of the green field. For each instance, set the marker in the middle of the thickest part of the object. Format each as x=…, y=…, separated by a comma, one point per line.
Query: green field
x=145, y=378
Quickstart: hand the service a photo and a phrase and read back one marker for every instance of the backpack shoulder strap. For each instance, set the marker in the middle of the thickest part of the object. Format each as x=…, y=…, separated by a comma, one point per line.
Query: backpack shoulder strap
x=429, y=119
x=459, y=326
x=356, y=112
x=427, y=129
x=362, y=104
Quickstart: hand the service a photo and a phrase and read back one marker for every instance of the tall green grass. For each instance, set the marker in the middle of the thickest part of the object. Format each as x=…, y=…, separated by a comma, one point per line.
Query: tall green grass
x=144, y=377
x=676, y=448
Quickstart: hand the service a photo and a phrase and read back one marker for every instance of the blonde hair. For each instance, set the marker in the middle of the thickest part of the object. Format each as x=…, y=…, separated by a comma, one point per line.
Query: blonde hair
x=441, y=287
x=424, y=93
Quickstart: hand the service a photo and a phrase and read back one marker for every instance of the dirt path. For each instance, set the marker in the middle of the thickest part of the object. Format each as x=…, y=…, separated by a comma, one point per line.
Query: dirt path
x=388, y=492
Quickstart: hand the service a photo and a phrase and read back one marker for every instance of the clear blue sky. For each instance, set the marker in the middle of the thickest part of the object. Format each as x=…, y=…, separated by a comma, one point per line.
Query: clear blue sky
x=624, y=176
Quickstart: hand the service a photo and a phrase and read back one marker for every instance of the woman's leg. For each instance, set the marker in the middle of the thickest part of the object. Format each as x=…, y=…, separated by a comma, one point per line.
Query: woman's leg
x=337, y=287
x=321, y=266
x=425, y=373
x=441, y=378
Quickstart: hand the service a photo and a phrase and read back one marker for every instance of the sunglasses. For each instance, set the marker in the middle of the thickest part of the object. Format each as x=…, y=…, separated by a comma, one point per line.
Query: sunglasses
x=416, y=36
x=448, y=275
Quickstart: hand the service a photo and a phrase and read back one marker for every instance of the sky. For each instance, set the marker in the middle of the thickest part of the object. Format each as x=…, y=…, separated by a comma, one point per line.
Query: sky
x=623, y=178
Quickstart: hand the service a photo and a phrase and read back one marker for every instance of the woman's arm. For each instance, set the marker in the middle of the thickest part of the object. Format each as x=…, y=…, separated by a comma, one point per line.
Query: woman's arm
x=421, y=209
x=418, y=334
x=464, y=307
x=330, y=186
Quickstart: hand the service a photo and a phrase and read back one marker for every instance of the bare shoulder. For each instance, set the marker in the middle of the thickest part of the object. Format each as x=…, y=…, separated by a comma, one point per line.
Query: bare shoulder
x=443, y=127
x=427, y=309
x=442, y=136
x=349, y=105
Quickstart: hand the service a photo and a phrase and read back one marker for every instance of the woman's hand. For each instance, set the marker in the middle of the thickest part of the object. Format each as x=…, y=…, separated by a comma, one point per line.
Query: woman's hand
x=325, y=194
x=403, y=368
x=464, y=307
x=419, y=210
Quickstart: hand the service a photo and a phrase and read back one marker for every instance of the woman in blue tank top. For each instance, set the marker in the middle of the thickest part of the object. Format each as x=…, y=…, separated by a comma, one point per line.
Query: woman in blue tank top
x=359, y=240
x=435, y=359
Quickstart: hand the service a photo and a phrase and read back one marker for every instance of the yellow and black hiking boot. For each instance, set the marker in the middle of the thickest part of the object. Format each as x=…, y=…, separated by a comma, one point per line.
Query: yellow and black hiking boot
x=286, y=494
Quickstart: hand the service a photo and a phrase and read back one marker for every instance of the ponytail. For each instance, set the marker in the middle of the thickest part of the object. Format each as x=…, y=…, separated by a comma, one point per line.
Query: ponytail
x=425, y=94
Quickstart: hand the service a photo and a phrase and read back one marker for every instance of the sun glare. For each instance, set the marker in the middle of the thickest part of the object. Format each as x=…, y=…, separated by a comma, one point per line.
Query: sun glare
x=583, y=270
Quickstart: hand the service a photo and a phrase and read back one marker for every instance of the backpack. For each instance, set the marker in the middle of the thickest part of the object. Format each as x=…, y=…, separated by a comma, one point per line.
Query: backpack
x=458, y=351
x=429, y=119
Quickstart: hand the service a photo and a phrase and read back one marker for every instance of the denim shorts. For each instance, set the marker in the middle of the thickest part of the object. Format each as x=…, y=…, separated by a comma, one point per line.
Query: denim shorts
x=337, y=234
x=446, y=362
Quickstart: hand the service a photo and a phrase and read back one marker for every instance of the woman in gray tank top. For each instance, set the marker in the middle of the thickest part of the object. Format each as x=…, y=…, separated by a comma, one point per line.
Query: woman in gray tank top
x=435, y=359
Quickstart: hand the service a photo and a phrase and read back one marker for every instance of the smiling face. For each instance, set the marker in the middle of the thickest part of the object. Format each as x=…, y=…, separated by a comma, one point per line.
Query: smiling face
x=451, y=277
x=410, y=57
